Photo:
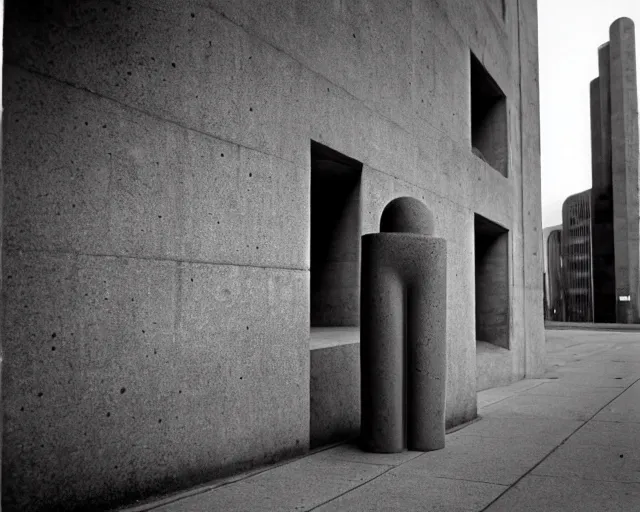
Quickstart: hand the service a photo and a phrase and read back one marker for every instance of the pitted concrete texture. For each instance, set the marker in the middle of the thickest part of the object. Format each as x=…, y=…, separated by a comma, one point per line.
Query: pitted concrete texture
x=492, y=364
x=548, y=444
x=334, y=392
x=176, y=344
x=403, y=331
x=406, y=215
x=149, y=142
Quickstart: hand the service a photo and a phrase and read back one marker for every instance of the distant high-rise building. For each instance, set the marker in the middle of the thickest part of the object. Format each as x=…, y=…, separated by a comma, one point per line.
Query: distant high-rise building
x=615, y=202
x=554, y=291
x=576, y=258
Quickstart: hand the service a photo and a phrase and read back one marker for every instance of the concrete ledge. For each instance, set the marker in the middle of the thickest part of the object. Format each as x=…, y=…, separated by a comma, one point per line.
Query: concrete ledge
x=582, y=326
x=324, y=337
x=335, y=393
x=335, y=381
x=493, y=366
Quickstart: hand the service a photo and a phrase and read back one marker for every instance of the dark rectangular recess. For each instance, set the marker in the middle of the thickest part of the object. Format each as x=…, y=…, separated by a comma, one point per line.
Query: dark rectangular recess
x=489, y=133
x=491, y=244
x=335, y=238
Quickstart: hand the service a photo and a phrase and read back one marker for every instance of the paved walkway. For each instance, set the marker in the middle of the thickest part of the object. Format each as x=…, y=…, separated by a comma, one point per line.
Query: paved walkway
x=568, y=442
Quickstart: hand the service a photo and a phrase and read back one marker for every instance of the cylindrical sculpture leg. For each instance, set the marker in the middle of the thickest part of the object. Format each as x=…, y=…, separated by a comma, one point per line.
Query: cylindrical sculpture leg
x=381, y=353
x=426, y=349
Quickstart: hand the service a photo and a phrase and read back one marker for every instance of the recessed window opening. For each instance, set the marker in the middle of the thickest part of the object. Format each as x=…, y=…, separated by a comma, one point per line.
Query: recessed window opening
x=335, y=238
x=491, y=244
x=489, y=134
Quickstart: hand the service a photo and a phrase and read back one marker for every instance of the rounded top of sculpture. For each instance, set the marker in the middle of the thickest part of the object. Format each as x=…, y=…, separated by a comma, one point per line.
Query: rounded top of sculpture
x=406, y=215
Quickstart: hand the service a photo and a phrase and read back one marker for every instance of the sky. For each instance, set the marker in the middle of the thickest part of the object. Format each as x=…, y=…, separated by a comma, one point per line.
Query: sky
x=569, y=34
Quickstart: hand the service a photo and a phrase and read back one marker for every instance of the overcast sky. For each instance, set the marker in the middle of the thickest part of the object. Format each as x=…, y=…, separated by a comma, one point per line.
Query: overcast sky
x=570, y=32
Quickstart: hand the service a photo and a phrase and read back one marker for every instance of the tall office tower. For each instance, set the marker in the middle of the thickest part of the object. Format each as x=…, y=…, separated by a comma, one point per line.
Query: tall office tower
x=604, y=278
x=624, y=168
x=553, y=269
x=615, y=207
x=576, y=257
x=551, y=247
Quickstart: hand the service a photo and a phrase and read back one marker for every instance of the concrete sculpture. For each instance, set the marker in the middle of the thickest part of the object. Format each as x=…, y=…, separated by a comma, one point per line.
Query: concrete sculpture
x=403, y=331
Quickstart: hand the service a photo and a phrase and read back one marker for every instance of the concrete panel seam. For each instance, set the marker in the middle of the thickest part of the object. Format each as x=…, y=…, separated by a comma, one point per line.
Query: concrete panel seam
x=128, y=106
x=363, y=102
x=584, y=422
x=150, y=258
x=303, y=65
x=419, y=187
x=353, y=488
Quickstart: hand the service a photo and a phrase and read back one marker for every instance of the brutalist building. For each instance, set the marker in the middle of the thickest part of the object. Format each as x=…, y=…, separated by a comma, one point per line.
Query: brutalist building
x=185, y=187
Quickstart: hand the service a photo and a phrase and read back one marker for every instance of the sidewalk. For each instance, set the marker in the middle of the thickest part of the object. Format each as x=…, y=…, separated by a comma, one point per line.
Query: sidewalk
x=590, y=326
x=570, y=441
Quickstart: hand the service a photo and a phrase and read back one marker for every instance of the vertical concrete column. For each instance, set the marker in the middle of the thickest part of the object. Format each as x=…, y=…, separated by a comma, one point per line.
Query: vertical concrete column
x=403, y=332
x=602, y=193
x=381, y=356
x=604, y=84
x=604, y=300
x=534, y=359
x=426, y=350
x=597, y=178
x=624, y=166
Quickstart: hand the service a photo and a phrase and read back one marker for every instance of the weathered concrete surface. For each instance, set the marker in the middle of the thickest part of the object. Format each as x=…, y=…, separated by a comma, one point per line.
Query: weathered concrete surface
x=417, y=492
x=334, y=393
x=533, y=345
x=150, y=394
x=166, y=90
x=624, y=168
x=527, y=452
x=591, y=326
x=403, y=332
x=403, y=389
x=493, y=365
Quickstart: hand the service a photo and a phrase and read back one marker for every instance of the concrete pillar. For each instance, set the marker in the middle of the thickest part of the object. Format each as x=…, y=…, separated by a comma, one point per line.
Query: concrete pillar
x=624, y=165
x=426, y=363
x=601, y=198
x=604, y=84
x=403, y=332
x=597, y=185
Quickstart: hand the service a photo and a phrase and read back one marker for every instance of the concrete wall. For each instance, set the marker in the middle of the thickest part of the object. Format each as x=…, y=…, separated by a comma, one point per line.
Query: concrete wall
x=157, y=223
x=335, y=394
